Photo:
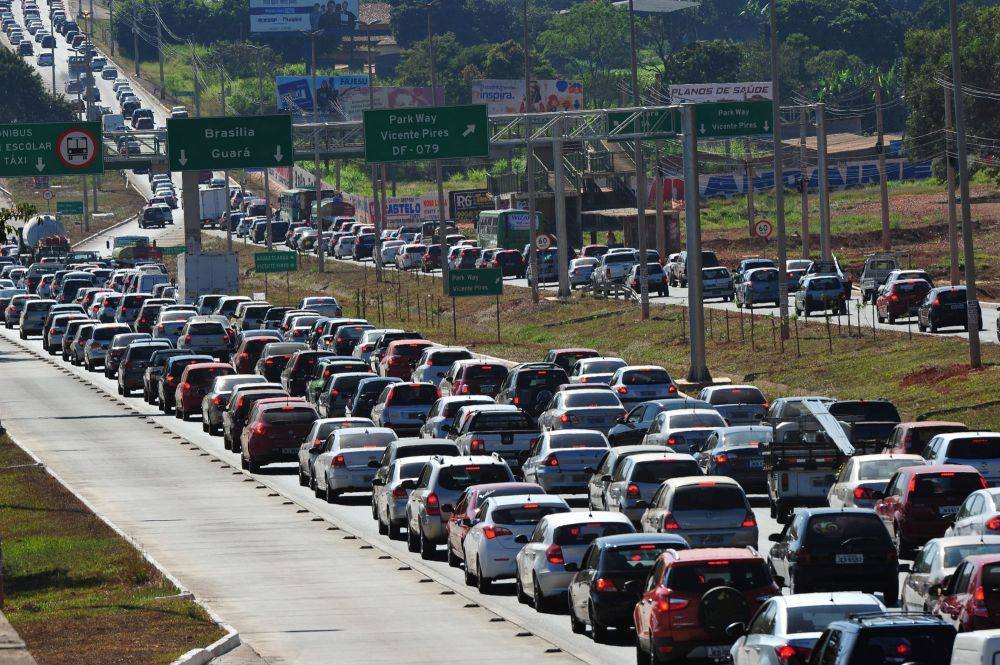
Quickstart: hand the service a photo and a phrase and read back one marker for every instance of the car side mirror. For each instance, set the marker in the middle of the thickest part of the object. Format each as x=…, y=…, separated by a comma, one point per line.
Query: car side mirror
x=374, y=464
x=736, y=630
x=606, y=478
x=589, y=469
x=408, y=484
x=641, y=503
x=621, y=420
x=521, y=539
x=775, y=537
x=571, y=567
x=904, y=568
x=448, y=508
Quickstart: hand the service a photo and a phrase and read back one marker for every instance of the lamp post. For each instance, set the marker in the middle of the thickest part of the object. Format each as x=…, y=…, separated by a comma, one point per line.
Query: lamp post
x=437, y=162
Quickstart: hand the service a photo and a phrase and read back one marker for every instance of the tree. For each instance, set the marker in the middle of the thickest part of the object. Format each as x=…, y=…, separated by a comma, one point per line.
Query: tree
x=472, y=21
x=868, y=29
x=26, y=98
x=451, y=64
x=506, y=61
x=589, y=39
x=706, y=61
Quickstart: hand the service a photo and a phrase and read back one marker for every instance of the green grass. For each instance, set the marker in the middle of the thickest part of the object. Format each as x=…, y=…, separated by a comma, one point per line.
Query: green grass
x=76, y=591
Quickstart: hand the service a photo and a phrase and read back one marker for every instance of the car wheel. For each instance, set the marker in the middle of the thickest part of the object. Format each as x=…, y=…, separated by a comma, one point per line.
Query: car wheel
x=179, y=415
x=921, y=327
x=483, y=583
x=125, y=392
x=934, y=327
x=578, y=627
x=453, y=559
x=119, y=389
x=892, y=319
x=470, y=579
x=522, y=597
x=383, y=528
x=684, y=283
x=806, y=312
x=303, y=479
x=393, y=530
x=225, y=442
x=243, y=463
x=537, y=598
x=794, y=586
x=598, y=633
x=427, y=549
x=412, y=540
x=252, y=466
x=331, y=495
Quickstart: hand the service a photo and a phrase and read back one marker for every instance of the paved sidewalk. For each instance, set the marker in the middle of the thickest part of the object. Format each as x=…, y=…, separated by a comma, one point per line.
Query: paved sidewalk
x=12, y=649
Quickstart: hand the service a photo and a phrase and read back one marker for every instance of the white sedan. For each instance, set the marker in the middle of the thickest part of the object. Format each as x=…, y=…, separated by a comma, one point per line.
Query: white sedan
x=410, y=256
x=864, y=474
x=350, y=460
x=390, y=248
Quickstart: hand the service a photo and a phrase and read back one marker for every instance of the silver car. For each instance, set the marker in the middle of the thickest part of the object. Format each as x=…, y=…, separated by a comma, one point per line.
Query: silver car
x=717, y=282
x=603, y=474
x=207, y=335
x=581, y=270
x=170, y=323
x=318, y=441
x=441, y=417
x=389, y=497
x=862, y=475
x=739, y=405
x=215, y=401
x=595, y=370
x=349, y=462
x=978, y=515
x=369, y=340
x=936, y=560
x=707, y=511
x=559, y=460
x=404, y=406
x=96, y=348
x=33, y=316
x=637, y=480
x=642, y=383
x=558, y=540
x=683, y=430
x=980, y=450
x=435, y=362
x=597, y=410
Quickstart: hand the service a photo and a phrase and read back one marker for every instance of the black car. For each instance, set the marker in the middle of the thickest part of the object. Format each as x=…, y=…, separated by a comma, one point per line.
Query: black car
x=299, y=370
x=167, y=384
x=736, y=453
x=339, y=392
x=135, y=361
x=154, y=370
x=885, y=639
x=363, y=247
x=530, y=386
x=274, y=358
x=830, y=549
x=945, y=307
x=609, y=580
x=345, y=337
x=634, y=426
x=367, y=394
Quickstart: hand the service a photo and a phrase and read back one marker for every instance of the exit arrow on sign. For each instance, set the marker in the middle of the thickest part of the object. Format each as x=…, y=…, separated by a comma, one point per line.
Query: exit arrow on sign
x=277, y=154
x=182, y=160
x=469, y=130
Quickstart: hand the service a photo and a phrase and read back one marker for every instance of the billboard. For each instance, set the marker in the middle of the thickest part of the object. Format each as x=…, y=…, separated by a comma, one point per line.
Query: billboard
x=507, y=95
x=695, y=93
x=356, y=100
x=303, y=16
x=332, y=94
x=466, y=204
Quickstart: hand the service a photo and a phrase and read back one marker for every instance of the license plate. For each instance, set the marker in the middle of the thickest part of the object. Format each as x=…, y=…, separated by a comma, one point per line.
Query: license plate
x=756, y=464
x=717, y=652
x=711, y=540
x=487, y=388
x=850, y=558
x=958, y=306
x=595, y=421
x=647, y=393
x=413, y=416
x=948, y=510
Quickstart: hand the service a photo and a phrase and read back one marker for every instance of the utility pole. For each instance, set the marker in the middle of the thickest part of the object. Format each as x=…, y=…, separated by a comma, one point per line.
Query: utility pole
x=971, y=300
x=197, y=87
x=698, y=371
x=529, y=162
x=661, y=232
x=437, y=162
x=562, y=237
x=749, y=175
x=135, y=44
x=267, y=171
x=824, y=184
x=316, y=165
x=883, y=186
x=804, y=193
x=159, y=53
x=111, y=24
x=225, y=174
x=640, y=175
x=949, y=160
x=376, y=201
x=779, y=175
x=53, y=66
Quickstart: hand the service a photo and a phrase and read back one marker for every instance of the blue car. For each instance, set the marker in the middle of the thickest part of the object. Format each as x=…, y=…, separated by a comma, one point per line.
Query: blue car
x=819, y=293
x=758, y=286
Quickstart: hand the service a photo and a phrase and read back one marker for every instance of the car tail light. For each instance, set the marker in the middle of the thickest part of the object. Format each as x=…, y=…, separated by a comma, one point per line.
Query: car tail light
x=516, y=400
x=669, y=523
x=672, y=389
x=338, y=461
x=622, y=390
x=749, y=522
x=477, y=446
x=564, y=418
x=217, y=401
x=554, y=555
x=491, y=531
x=862, y=493
x=465, y=389
x=720, y=459
x=894, y=298
x=604, y=584
x=260, y=429
x=787, y=654
x=675, y=440
x=993, y=524
x=169, y=378
x=551, y=460
x=185, y=386
x=123, y=309
x=982, y=481
x=635, y=284
x=937, y=301
x=52, y=331
x=432, y=504
x=398, y=493
x=240, y=402
x=225, y=338
x=269, y=361
x=632, y=490
x=666, y=602
x=187, y=338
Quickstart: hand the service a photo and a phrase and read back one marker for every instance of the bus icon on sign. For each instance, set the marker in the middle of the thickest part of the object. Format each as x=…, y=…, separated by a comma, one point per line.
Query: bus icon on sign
x=77, y=148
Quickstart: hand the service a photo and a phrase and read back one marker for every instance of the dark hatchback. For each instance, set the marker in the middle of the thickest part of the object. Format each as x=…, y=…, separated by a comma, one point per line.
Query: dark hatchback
x=945, y=307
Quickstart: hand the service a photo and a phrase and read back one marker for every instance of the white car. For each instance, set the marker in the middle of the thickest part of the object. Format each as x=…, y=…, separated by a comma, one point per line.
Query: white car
x=580, y=271
x=344, y=247
x=979, y=647
x=635, y=486
x=389, y=250
x=559, y=541
x=389, y=497
x=683, y=430
x=410, y=256
x=937, y=559
x=978, y=515
x=785, y=628
x=491, y=545
x=350, y=460
x=864, y=474
x=435, y=361
x=980, y=450
x=595, y=370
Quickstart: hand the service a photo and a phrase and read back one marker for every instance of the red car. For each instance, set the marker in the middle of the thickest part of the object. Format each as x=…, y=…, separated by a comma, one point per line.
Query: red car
x=901, y=299
x=274, y=432
x=692, y=596
x=920, y=502
x=401, y=356
x=248, y=352
x=473, y=377
x=970, y=597
x=912, y=437
x=195, y=383
x=462, y=519
x=432, y=259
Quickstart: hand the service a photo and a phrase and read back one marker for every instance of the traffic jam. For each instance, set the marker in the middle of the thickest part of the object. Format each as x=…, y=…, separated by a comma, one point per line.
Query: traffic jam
x=581, y=484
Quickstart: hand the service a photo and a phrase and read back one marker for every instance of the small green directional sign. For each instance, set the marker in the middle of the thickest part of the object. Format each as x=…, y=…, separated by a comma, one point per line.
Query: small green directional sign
x=475, y=282
x=51, y=148
x=69, y=207
x=217, y=144
x=275, y=262
x=173, y=250
x=436, y=132
x=726, y=119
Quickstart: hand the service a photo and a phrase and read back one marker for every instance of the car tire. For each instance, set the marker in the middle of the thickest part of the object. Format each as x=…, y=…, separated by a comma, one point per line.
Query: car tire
x=598, y=632
x=393, y=531
x=794, y=586
x=330, y=496
x=890, y=594
x=522, y=597
x=578, y=627
x=453, y=560
x=179, y=415
x=427, y=549
x=303, y=479
x=892, y=319
x=921, y=327
x=684, y=283
x=538, y=600
x=383, y=528
x=483, y=583
x=470, y=579
x=119, y=389
x=252, y=466
x=225, y=442
x=806, y=312
x=243, y=463
x=933, y=327
x=412, y=540
x=879, y=317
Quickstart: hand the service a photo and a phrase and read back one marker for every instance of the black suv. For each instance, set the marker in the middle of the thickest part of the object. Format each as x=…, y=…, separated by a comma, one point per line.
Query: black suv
x=530, y=386
x=885, y=639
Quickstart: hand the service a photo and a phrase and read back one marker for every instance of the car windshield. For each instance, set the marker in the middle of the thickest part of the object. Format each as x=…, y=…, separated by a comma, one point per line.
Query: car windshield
x=954, y=554
x=656, y=471
x=592, y=398
x=882, y=469
x=457, y=478
x=504, y=421
x=833, y=530
x=525, y=515
x=601, y=366
x=577, y=440
x=743, y=575
x=645, y=377
x=695, y=420
x=709, y=497
x=978, y=447
x=587, y=532
x=365, y=439
x=816, y=618
x=895, y=646
x=951, y=296
x=413, y=395
x=737, y=396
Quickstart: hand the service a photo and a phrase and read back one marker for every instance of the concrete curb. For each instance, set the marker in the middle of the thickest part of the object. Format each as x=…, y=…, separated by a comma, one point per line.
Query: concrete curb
x=12, y=648
x=227, y=643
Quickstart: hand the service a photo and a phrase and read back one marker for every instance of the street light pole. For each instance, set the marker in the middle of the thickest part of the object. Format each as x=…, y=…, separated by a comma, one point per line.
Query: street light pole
x=316, y=165
x=779, y=174
x=437, y=162
x=529, y=162
x=640, y=175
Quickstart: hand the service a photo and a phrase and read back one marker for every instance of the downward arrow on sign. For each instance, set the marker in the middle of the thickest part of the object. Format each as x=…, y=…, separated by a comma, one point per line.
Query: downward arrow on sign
x=40, y=165
x=182, y=160
x=277, y=154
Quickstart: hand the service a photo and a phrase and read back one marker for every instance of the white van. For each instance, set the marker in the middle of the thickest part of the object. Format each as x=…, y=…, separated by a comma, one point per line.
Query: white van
x=980, y=647
x=145, y=283
x=113, y=122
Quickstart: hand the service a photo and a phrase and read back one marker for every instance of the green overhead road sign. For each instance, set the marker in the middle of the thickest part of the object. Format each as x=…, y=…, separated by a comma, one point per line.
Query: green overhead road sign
x=173, y=250
x=660, y=125
x=475, y=282
x=217, y=144
x=275, y=262
x=69, y=207
x=51, y=148
x=726, y=119
x=436, y=132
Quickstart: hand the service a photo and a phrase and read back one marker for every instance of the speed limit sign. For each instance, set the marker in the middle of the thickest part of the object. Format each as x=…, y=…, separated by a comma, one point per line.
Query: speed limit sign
x=763, y=229
x=47, y=195
x=543, y=242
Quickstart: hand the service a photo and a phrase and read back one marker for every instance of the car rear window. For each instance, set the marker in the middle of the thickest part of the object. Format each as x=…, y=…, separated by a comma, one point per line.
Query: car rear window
x=503, y=421
x=714, y=273
x=871, y=411
x=525, y=515
x=541, y=378
x=578, y=440
x=351, y=332
x=365, y=439
x=695, y=420
x=656, y=471
x=602, y=366
x=142, y=352
x=742, y=575
x=815, y=619
x=446, y=358
x=912, y=287
x=951, y=296
x=709, y=497
x=495, y=373
x=411, y=469
x=133, y=301
x=977, y=447
x=834, y=530
x=619, y=257
x=824, y=283
x=947, y=487
x=764, y=276
x=645, y=377
x=175, y=316
x=894, y=646
x=290, y=415
x=451, y=408
x=409, y=350
x=206, y=329
x=348, y=383
x=447, y=449
x=884, y=468
x=108, y=333
x=635, y=558
x=254, y=311
x=407, y=395
x=737, y=396
x=457, y=478
x=592, y=398
x=587, y=532
x=207, y=374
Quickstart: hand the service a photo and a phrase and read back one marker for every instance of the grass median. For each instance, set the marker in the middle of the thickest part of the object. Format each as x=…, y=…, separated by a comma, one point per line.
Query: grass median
x=919, y=373
x=76, y=591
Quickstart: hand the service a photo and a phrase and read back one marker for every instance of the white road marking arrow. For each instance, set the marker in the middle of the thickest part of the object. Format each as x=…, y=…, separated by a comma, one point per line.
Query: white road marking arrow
x=40, y=165
x=277, y=154
x=182, y=160
x=469, y=129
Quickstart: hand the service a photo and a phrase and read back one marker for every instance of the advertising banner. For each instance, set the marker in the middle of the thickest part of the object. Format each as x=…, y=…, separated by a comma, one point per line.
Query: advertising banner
x=466, y=204
x=399, y=209
x=696, y=93
x=296, y=177
x=333, y=95
x=507, y=95
x=303, y=16
x=354, y=101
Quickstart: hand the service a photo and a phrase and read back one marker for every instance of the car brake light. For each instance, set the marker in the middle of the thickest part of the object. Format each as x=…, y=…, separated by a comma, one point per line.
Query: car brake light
x=554, y=555
x=269, y=361
x=937, y=301
x=517, y=400
x=912, y=484
x=675, y=440
x=187, y=338
x=564, y=418
x=604, y=584
x=622, y=390
x=982, y=482
x=667, y=603
x=52, y=331
x=338, y=462
x=669, y=523
x=398, y=493
x=492, y=531
x=170, y=378
x=632, y=490
x=432, y=504
x=551, y=460
x=862, y=493
x=217, y=400
x=260, y=428
x=749, y=522
x=477, y=446
x=720, y=459
x=185, y=386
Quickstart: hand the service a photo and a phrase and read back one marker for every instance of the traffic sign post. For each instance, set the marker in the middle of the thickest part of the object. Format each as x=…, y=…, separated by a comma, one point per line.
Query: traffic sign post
x=727, y=119
x=543, y=241
x=763, y=229
x=437, y=132
x=51, y=148
x=465, y=283
x=69, y=207
x=219, y=144
x=660, y=125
